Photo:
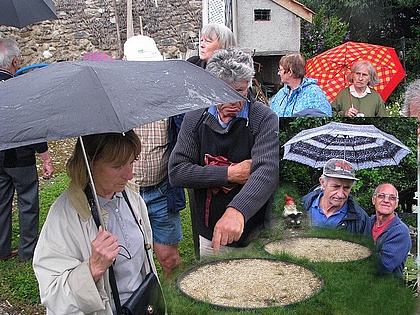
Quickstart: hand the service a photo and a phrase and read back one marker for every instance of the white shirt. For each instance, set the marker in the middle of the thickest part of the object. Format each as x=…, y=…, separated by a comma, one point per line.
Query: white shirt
x=355, y=94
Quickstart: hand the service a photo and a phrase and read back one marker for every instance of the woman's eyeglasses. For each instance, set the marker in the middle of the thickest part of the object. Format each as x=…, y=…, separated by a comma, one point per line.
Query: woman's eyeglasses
x=124, y=252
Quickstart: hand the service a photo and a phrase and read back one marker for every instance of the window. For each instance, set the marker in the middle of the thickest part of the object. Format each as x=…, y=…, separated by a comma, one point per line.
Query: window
x=262, y=15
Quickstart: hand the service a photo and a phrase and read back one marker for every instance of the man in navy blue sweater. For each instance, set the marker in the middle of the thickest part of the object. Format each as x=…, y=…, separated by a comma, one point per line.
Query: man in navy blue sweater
x=229, y=155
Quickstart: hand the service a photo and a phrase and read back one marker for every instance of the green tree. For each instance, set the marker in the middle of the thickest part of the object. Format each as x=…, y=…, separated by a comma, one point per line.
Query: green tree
x=324, y=33
x=374, y=21
x=412, y=53
x=392, y=23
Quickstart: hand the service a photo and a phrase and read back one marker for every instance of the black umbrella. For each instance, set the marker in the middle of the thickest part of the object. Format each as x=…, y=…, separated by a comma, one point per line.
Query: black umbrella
x=365, y=146
x=20, y=13
x=70, y=99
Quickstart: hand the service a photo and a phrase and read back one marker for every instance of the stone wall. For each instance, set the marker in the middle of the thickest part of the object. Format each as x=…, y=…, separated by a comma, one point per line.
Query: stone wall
x=91, y=26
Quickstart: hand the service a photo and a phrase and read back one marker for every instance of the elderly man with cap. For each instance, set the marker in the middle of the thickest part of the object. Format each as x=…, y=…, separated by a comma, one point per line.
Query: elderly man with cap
x=331, y=205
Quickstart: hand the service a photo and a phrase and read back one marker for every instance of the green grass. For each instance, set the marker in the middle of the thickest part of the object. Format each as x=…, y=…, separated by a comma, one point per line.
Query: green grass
x=349, y=288
x=17, y=280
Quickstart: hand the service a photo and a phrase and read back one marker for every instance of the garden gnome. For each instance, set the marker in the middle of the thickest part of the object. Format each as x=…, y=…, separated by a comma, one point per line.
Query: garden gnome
x=290, y=214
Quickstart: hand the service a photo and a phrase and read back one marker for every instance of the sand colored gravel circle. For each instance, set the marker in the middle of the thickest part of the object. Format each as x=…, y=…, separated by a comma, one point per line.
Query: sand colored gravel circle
x=250, y=283
x=319, y=249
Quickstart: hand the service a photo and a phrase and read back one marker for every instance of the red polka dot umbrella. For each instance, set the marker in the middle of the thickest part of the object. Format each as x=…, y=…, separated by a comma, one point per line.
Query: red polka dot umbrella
x=332, y=67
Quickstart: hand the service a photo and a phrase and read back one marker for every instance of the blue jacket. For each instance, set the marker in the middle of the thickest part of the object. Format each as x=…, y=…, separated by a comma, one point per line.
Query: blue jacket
x=392, y=247
x=356, y=221
x=307, y=95
x=175, y=196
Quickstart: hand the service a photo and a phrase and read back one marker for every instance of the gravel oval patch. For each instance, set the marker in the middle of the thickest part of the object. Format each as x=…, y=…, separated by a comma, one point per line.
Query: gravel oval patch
x=318, y=249
x=249, y=283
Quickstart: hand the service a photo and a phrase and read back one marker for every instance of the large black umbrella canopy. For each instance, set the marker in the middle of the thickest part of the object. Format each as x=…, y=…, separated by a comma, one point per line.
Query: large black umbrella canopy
x=70, y=99
x=20, y=13
x=365, y=146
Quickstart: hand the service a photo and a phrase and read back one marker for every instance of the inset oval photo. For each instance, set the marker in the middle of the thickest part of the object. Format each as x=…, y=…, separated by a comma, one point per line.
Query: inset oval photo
x=317, y=249
x=250, y=283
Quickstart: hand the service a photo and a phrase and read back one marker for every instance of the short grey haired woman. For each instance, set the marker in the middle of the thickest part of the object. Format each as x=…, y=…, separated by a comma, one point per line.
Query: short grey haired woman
x=73, y=255
x=213, y=36
x=358, y=100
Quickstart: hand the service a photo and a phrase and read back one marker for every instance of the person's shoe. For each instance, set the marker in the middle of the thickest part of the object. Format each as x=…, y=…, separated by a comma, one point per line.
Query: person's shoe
x=12, y=254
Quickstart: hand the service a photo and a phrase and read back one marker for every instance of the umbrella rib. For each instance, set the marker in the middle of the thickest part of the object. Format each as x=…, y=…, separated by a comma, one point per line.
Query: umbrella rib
x=92, y=70
x=329, y=143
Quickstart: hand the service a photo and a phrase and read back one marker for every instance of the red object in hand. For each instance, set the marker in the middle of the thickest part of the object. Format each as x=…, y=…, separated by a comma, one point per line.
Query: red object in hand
x=220, y=161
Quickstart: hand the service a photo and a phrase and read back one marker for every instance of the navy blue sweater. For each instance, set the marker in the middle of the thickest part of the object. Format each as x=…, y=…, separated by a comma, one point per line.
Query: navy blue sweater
x=392, y=247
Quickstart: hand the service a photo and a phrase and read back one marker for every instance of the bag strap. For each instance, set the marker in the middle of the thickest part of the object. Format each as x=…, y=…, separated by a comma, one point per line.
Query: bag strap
x=112, y=281
x=146, y=248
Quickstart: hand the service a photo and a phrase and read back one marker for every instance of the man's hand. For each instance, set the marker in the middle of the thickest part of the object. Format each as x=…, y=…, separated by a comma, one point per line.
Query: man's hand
x=229, y=228
x=47, y=169
x=239, y=173
x=104, y=251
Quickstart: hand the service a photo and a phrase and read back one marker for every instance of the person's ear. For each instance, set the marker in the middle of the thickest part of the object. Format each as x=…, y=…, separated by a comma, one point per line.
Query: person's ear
x=15, y=63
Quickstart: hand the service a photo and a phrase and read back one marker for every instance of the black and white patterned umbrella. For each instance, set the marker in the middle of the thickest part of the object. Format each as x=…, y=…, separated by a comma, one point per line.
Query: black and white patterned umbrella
x=365, y=146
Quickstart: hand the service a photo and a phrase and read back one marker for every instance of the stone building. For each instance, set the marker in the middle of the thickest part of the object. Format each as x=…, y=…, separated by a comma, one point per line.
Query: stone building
x=91, y=26
x=266, y=28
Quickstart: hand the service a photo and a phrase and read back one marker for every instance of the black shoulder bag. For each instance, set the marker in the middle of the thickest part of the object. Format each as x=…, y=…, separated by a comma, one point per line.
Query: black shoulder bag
x=148, y=297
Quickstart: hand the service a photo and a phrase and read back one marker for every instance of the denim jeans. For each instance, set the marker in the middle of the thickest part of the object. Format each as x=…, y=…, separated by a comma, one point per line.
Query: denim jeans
x=166, y=226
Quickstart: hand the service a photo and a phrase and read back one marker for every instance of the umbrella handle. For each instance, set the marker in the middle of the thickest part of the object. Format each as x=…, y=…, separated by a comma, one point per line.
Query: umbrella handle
x=351, y=99
x=95, y=195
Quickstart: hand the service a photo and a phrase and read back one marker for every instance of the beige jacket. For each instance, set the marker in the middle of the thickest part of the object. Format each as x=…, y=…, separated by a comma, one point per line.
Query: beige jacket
x=62, y=255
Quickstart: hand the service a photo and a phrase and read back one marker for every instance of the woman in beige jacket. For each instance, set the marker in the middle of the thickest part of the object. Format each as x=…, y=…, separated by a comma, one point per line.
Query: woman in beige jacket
x=72, y=257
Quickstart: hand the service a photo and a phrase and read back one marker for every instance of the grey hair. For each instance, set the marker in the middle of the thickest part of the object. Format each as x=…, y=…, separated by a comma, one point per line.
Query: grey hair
x=224, y=35
x=231, y=65
x=8, y=51
x=374, y=79
x=412, y=99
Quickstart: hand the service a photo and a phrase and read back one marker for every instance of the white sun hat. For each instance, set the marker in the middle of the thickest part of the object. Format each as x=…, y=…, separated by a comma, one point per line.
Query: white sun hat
x=141, y=48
